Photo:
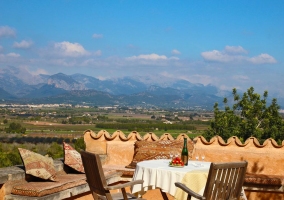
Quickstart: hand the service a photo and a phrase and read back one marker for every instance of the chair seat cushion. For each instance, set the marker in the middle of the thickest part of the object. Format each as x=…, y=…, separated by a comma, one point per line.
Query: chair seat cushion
x=262, y=179
x=38, y=189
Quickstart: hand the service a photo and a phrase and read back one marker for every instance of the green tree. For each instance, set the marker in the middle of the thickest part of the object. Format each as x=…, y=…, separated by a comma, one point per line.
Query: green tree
x=55, y=150
x=15, y=128
x=79, y=144
x=248, y=116
x=9, y=158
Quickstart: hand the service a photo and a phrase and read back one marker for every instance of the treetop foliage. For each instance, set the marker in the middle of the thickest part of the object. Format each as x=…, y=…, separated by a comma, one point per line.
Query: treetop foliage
x=249, y=116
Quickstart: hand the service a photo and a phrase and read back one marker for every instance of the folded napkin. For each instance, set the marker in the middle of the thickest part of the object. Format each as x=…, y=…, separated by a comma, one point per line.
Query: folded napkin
x=195, y=180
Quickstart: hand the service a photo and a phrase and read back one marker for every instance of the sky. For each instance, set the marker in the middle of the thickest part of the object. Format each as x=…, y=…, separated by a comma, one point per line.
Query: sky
x=225, y=43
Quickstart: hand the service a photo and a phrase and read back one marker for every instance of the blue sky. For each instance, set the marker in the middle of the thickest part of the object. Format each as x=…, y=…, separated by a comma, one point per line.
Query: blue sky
x=232, y=43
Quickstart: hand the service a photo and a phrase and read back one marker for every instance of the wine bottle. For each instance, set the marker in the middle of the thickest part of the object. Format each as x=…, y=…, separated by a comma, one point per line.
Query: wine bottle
x=184, y=152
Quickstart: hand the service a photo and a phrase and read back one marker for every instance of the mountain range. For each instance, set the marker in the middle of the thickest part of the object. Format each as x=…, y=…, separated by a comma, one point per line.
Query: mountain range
x=19, y=86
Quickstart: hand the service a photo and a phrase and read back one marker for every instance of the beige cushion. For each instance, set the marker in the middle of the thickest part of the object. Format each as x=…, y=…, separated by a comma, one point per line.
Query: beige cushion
x=72, y=158
x=38, y=189
x=37, y=165
x=145, y=150
x=64, y=182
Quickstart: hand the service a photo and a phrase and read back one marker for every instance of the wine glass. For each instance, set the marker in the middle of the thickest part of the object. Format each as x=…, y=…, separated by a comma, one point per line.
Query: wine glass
x=203, y=157
x=197, y=157
x=171, y=155
x=176, y=155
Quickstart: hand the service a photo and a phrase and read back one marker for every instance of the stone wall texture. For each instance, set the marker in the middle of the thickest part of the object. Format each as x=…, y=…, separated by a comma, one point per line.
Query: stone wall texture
x=263, y=158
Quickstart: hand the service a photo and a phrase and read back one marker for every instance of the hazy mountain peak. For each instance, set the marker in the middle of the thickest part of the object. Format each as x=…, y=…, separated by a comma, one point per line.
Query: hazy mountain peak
x=23, y=74
x=65, y=82
x=159, y=90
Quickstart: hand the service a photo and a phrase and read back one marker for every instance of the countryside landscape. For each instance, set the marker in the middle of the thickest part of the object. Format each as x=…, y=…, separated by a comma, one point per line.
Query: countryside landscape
x=210, y=70
x=48, y=125
x=43, y=127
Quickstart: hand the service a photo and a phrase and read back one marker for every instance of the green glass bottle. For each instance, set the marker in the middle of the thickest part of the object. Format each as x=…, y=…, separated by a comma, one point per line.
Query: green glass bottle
x=184, y=152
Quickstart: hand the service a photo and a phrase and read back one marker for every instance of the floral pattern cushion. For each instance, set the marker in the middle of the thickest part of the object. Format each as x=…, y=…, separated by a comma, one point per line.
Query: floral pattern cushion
x=146, y=150
x=37, y=165
x=72, y=158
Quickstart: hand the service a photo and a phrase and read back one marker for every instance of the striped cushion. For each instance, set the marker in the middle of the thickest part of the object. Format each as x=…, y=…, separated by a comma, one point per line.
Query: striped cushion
x=261, y=179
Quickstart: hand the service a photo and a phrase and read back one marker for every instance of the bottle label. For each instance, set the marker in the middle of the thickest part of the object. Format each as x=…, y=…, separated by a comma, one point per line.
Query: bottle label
x=184, y=159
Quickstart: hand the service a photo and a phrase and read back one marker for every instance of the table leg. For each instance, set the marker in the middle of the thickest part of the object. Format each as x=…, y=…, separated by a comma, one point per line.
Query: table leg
x=165, y=197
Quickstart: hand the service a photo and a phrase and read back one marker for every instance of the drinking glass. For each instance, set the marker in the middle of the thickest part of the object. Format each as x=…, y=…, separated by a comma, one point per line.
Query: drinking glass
x=203, y=157
x=197, y=157
x=171, y=155
x=176, y=155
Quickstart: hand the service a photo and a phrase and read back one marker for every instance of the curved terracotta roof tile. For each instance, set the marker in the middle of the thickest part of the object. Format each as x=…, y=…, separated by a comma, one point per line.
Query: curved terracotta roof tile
x=118, y=135
x=134, y=135
x=151, y=137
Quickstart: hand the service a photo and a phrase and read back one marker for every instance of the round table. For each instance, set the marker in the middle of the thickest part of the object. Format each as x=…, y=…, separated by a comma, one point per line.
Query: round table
x=158, y=174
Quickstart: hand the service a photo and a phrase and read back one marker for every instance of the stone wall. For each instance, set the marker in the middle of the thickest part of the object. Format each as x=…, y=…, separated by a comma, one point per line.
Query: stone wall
x=262, y=158
x=266, y=158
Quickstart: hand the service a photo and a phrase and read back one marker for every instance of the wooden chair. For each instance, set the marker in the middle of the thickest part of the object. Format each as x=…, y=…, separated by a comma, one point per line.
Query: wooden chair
x=97, y=182
x=225, y=181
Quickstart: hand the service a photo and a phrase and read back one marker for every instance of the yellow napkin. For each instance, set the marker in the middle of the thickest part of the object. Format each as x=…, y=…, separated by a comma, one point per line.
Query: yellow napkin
x=195, y=180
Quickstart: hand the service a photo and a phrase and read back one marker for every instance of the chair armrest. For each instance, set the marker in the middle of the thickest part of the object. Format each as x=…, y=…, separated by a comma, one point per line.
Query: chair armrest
x=189, y=191
x=119, y=186
x=112, y=174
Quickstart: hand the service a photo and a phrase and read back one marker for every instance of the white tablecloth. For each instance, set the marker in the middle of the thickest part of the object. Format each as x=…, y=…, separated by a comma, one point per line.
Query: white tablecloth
x=158, y=174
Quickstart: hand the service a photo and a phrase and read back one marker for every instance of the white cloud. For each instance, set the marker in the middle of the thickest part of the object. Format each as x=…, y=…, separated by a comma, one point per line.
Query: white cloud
x=217, y=56
x=175, y=52
x=153, y=57
x=233, y=54
x=6, y=31
x=38, y=71
x=15, y=55
x=23, y=44
x=10, y=58
x=69, y=49
x=235, y=50
x=263, y=59
x=97, y=36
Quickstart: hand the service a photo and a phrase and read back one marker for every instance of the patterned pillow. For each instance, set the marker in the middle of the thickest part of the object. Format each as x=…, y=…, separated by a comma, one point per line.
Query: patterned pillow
x=72, y=158
x=37, y=165
x=146, y=150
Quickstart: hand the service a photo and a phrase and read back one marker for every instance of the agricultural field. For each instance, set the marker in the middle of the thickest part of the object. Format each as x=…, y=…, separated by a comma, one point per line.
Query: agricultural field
x=72, y=122
x=43, y=130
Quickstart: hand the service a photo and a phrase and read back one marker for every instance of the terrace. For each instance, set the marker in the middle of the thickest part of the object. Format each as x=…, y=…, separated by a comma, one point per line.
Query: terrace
x=264, y=179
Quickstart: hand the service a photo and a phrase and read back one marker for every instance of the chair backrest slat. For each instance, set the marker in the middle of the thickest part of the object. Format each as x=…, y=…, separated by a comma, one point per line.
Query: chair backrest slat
x=94, y=173
x=228, y=175
x=225, y=180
